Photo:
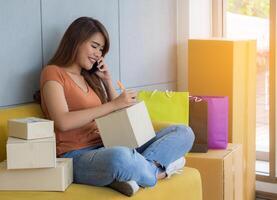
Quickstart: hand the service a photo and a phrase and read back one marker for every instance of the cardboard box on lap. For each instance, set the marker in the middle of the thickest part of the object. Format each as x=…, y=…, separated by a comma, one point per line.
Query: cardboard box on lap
x=131, y=127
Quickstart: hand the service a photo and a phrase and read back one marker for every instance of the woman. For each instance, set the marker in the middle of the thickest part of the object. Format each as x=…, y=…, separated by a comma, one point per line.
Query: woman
x=73, y=97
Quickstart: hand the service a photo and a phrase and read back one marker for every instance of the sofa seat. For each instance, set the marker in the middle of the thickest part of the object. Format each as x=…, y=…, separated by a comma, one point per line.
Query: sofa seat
x=184, y=186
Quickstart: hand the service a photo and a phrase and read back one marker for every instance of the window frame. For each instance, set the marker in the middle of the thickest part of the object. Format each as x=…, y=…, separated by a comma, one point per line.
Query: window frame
x=219, y=9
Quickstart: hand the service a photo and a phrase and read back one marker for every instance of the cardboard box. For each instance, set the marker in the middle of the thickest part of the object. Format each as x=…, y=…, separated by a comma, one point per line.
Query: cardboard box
x=130, y=127
x=47, y=179
x=228, y=68
x=30, y=128
x=23, y=154
x=221, y=172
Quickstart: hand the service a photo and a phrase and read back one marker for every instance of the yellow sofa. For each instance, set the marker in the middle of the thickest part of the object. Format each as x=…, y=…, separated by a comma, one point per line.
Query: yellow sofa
x=186, y=186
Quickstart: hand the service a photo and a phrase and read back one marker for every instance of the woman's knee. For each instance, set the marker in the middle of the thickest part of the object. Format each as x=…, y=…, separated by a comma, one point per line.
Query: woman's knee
x=186, y=133
x=120, y=156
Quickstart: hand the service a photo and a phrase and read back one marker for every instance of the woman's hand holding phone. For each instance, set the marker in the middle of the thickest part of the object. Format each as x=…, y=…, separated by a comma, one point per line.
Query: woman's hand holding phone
x=103, y=70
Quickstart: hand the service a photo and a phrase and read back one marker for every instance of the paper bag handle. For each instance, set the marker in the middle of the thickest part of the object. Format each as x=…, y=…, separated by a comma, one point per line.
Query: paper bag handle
x=167, y=93
x=195, y=98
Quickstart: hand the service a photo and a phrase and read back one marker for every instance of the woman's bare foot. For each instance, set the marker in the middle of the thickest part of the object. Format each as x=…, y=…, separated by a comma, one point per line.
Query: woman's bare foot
x=161, y=175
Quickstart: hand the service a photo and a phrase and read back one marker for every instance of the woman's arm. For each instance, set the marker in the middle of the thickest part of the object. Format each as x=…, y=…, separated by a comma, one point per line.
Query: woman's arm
x=64, y=120
x=104, y=74
x=111, y=92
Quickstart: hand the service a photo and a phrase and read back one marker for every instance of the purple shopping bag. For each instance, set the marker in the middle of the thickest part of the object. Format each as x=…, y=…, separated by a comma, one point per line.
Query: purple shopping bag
x=218, y=107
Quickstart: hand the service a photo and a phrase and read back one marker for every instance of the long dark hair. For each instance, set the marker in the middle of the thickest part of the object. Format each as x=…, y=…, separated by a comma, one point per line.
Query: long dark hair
x=78, y=32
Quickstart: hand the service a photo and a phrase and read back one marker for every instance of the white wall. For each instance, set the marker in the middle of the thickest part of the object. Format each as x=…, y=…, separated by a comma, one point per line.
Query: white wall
x=193, y=21
x=143, y=50
x=200, y=18
x=148, y=40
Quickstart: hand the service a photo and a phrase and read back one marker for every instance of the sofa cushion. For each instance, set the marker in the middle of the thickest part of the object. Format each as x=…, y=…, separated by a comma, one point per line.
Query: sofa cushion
x=185, y=186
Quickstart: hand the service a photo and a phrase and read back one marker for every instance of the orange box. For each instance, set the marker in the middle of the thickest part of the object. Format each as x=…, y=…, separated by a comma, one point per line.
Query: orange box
x=221, y=67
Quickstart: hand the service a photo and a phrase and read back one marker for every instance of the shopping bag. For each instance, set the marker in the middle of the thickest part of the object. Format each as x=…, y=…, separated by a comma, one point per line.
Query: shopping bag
x=218, y=107
x=165, y=106
x=198, y=121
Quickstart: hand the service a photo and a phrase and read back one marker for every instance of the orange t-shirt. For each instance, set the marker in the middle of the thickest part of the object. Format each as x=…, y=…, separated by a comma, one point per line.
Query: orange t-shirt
x=76, y=99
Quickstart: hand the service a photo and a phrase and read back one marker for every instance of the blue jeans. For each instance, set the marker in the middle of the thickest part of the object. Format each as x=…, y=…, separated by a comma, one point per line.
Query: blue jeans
x=101, y=166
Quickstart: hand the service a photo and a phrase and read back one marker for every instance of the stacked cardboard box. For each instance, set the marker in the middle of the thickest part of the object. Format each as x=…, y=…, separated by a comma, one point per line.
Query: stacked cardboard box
x=31, y=158
x=223, y=67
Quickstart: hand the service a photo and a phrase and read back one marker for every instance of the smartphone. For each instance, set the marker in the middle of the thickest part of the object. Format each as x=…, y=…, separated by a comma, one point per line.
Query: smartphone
x=95, y=68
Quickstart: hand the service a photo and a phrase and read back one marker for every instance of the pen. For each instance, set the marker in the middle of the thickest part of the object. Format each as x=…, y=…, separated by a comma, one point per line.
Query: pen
x=122, y=88
x=120, y=85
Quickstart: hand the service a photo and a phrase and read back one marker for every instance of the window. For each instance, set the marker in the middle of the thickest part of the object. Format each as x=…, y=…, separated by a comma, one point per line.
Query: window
x=256, y=19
